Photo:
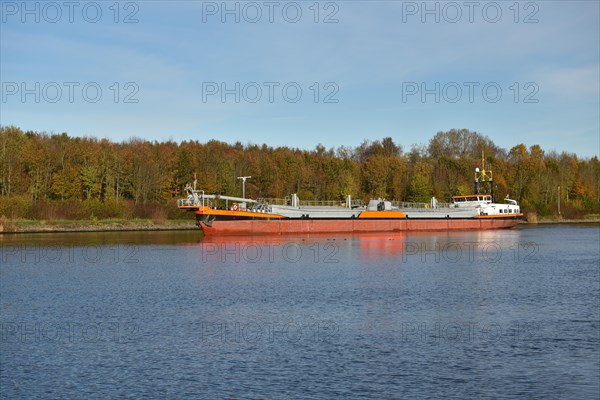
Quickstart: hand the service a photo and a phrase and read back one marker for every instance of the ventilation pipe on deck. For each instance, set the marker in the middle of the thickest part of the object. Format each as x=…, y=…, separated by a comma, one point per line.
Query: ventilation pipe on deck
x=434, y=202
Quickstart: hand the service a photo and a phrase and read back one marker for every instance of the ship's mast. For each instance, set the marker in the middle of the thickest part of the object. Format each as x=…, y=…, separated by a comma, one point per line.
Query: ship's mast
x=243, y=178
x=484, y=178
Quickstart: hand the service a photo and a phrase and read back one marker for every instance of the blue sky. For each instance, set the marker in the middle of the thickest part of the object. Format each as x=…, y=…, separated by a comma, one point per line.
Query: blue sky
x=374, y=57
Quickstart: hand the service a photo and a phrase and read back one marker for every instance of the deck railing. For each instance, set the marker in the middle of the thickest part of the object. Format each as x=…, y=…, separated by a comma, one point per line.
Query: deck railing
x=320, y=203
x=311, y=203
x=186, y=203
x=190, y=202
x=404, y=204
x=274, y=201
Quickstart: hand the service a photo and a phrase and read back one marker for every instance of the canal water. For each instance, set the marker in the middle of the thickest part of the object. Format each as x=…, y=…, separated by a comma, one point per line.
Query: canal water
x=490, y=314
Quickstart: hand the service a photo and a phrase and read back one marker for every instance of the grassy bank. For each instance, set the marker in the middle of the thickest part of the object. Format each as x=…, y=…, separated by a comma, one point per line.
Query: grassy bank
x=542, y=221
x=532, y=218
x=31, y=226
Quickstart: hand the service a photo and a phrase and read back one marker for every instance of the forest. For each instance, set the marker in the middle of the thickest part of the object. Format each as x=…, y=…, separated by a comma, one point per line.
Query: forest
x=56, y=176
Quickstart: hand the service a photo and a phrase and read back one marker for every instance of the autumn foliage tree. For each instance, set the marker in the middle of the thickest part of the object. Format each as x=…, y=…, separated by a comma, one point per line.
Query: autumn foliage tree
x=58, y=176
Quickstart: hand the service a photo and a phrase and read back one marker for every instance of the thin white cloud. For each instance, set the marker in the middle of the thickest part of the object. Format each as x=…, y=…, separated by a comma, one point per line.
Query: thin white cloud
x=571, y=81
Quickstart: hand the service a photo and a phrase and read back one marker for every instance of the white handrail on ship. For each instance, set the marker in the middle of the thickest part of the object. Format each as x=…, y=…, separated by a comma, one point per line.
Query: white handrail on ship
x=405, y=204
x=310, y=203
x=197, y=198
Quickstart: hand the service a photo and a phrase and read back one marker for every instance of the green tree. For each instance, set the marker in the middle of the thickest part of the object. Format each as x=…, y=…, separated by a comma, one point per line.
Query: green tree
x=420, y=186
x=66, y=183
x=89, y=182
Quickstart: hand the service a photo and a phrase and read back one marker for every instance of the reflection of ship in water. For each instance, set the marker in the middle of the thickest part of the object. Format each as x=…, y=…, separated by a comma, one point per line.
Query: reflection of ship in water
x=305, y=249
x=381, y=245
x=227, y=215
x=449, y=247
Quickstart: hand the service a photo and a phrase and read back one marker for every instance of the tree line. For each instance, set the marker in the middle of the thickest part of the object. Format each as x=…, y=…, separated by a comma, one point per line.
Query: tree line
x=56, y=176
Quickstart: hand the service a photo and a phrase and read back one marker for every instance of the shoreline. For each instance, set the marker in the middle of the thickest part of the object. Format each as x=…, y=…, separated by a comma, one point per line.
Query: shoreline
x=554, y=220
x=100, y=226
x=169, y=225
x=562, y=221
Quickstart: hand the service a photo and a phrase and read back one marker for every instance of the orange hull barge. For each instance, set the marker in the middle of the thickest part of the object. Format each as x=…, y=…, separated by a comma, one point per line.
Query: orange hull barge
x=226, y=215
x=288, y=226
x=290, y=216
